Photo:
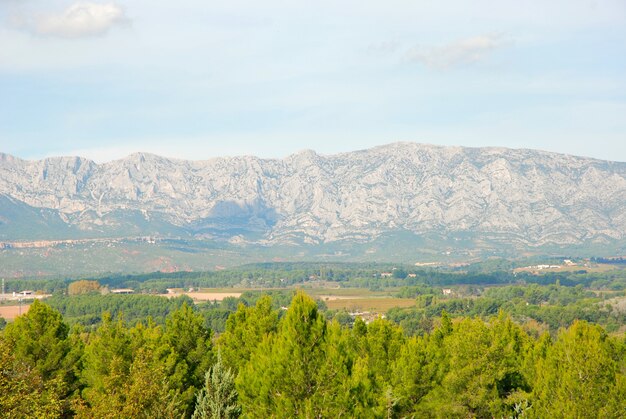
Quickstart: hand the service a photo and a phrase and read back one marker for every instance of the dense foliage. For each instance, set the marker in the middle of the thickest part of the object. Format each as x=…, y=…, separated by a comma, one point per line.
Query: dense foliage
x=272, y=362
x=553, y=306
x=88, y=309
x=361, y=275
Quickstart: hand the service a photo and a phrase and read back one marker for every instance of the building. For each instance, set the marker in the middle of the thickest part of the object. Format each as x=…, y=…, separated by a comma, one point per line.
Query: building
x=122, y=291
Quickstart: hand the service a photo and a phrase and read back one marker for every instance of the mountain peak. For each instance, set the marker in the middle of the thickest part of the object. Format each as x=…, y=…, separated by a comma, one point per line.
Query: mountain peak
x=522, y=196
x=141, y=156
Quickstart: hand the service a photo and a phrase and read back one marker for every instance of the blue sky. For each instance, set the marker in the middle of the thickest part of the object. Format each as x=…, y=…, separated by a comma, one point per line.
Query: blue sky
x=198, y=79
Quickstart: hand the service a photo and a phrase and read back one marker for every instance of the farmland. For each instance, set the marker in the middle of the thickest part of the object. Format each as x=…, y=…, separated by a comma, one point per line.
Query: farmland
x=10, y=312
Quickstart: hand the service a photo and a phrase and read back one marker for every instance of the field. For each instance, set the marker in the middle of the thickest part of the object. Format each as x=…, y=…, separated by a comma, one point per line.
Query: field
x=11, y=312
x=372, y=305
x=203, y=295
x=350, y=299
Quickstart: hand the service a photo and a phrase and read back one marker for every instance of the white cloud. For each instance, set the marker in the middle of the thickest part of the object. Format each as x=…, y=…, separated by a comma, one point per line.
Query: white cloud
x=81, y=19
x=461, y=52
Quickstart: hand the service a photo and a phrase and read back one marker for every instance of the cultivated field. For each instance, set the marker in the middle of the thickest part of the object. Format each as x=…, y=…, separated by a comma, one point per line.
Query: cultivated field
x=374, y=305
x=346, y=292
x=11, y=312
x=203, y=295
x=351, y=299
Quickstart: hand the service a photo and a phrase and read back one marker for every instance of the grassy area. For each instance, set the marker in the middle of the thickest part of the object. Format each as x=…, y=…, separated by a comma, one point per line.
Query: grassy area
x=350, y=292
x=376, y=305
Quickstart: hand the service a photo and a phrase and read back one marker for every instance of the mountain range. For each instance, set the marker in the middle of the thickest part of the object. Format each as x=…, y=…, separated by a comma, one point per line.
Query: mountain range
x=524, y=198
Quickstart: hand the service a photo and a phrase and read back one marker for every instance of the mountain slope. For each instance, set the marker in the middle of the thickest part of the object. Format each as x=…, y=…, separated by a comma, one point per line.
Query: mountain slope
x=521, y=196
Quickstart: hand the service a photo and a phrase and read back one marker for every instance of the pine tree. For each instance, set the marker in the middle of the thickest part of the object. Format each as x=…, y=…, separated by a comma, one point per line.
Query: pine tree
x=187, y=352
x=107, y=359
x=23, y=392
x=282, y=375
x=126, y=376
x=478, y=371
x=245, y=329
x=414, y=373
x=218, y=398
x=580, y=376
x=39, y=340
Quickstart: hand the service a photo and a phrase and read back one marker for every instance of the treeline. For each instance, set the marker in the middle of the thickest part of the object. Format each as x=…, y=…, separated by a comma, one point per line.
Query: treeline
x=614, y=261
x=550, y=307
x=298, y=364
x=281, y=275
x=88, y=309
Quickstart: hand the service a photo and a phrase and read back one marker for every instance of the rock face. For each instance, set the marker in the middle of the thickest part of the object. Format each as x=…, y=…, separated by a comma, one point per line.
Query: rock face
x=528, y=196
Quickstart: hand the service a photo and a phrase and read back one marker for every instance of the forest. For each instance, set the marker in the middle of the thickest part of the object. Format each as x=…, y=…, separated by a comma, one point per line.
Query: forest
x=292, y=360
x=347, y=275
x=551, y=300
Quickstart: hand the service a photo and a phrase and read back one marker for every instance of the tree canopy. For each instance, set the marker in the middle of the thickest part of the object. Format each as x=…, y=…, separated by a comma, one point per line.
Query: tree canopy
x=271, y=362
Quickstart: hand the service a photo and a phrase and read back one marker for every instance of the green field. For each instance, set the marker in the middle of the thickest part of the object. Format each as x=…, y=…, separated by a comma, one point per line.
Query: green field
x=372, y=305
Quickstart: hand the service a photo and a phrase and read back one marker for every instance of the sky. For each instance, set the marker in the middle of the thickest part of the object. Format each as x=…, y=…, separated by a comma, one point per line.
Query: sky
x=200, y=79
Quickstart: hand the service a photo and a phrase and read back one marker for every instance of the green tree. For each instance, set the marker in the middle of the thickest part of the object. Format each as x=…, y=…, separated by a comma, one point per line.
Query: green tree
x=414, y=373
x=141, y=392
x=186, y=351
x=378, y=343
x=580, y=376
x=125, y=374
x=39, y=339
x=344, y=388
x=481, y=371
x=107, y=360
x=245, y=329
x=381, y=344
x=282, y=375
x=218, y=397
x=23, y=392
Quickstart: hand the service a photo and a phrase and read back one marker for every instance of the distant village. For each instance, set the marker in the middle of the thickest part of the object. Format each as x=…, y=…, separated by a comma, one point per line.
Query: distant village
x=38, y=244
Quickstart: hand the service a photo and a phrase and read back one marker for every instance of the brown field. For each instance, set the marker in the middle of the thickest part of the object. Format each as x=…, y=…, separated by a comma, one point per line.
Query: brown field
x=11, y=312
x=351, y=299
x=373, y=305
x=204, y=296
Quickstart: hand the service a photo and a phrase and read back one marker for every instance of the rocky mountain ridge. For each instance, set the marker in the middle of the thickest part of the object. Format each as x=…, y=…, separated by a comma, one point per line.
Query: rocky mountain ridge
x=530, y=197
